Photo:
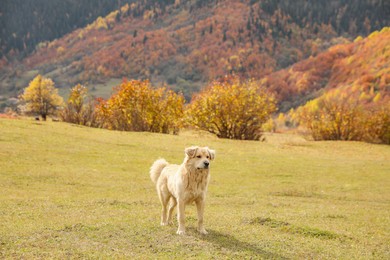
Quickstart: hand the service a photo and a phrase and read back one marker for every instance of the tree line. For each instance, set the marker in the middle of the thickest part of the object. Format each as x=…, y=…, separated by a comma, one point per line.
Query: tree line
x=231, y=108
x=351, y=16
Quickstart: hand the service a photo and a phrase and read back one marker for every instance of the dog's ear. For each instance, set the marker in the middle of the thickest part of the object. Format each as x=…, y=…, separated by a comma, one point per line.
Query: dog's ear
x=211, y=153
x=191, y=151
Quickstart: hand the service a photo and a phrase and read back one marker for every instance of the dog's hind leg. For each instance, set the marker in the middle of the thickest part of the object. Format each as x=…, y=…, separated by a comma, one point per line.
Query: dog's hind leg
x=164, y=199
x=172, y=205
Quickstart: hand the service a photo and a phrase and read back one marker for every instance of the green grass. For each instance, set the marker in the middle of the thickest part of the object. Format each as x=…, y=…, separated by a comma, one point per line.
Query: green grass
x=74, y=192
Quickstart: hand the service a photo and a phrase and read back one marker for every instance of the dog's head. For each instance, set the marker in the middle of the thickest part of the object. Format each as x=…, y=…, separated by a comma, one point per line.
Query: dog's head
x=199, y=157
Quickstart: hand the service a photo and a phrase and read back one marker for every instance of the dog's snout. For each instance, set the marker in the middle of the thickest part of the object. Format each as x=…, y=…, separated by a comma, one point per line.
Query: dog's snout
x=206, y=163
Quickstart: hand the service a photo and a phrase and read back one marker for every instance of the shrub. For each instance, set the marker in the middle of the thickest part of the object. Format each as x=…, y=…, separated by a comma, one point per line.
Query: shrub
x=335, y=116
x=80, y=108
x=232, y=108
x=378, y=124
x=136, y=106
x=344, y=116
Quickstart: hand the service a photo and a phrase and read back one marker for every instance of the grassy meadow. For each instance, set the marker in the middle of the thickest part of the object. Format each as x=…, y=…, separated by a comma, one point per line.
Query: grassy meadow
x=68, y=191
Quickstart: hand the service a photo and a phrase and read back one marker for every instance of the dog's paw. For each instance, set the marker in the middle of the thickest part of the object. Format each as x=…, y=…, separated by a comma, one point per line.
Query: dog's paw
x=181, y=232
x=164, y=223
x=203, y=231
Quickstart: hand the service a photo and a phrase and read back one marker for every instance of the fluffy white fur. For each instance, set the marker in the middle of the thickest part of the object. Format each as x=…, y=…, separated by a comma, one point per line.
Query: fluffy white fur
x=183, y=184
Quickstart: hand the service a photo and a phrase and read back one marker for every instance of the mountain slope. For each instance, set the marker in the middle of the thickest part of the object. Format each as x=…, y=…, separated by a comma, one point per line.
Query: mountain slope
x=362, y=66
x=188, y=43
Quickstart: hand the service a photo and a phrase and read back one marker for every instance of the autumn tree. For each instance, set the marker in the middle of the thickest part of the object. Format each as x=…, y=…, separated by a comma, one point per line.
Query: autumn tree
x=80, y=108
x=41, y=98
x=136, y=106
x=233, y=109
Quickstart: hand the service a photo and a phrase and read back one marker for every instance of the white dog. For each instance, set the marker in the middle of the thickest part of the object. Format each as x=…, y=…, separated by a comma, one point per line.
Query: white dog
x=183, y=184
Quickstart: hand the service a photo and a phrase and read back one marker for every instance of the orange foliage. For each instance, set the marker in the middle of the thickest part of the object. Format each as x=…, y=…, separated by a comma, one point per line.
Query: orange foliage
x=359, y=67
x=138, y=107
x=199, y=43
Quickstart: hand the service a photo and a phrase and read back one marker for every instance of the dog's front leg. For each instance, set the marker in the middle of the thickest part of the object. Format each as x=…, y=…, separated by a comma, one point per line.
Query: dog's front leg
x=200, y=208
x=181, y=217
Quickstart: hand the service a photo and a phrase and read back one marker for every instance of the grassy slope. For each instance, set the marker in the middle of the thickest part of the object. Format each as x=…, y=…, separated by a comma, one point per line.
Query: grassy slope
x=70, y=191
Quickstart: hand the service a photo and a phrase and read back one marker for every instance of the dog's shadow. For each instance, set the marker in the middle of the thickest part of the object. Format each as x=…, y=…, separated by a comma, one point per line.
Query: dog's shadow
x=233, y=244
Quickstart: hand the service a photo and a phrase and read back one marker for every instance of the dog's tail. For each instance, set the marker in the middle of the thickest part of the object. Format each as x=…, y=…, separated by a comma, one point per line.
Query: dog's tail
x=156, y=169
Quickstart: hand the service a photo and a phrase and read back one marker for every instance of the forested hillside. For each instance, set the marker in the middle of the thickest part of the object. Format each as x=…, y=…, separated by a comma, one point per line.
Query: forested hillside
x=362, y=66
x=188, y=43
x=26, y=24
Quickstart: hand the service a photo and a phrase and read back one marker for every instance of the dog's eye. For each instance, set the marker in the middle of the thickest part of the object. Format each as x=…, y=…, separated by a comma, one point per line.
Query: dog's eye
x=198, y=156
x=207, y=157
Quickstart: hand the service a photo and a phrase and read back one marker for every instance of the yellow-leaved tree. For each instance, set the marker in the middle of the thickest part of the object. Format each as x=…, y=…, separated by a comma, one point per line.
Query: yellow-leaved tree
x=233, y=109
x=41, y=98
x=80, y=108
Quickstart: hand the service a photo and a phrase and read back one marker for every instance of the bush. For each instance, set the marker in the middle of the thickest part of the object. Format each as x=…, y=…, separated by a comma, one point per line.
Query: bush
x=138, y=107
x=344, y=116
x=80, y=108
x=333, y=117
x=232, y=108
x=378, y=128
